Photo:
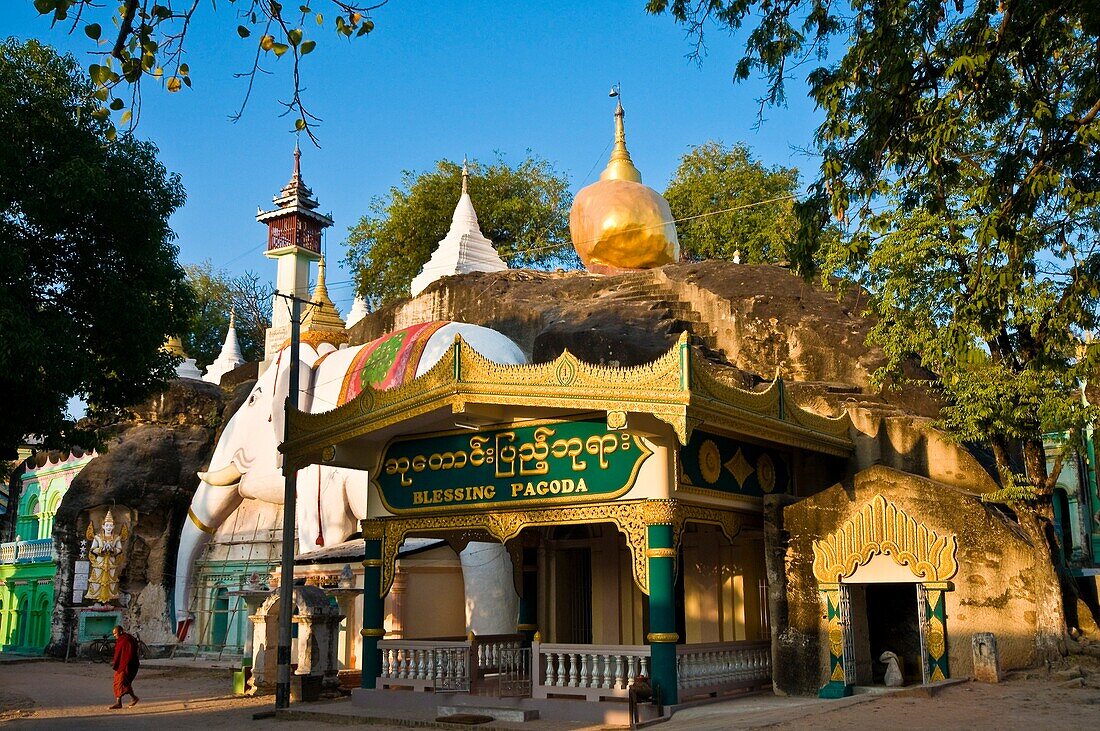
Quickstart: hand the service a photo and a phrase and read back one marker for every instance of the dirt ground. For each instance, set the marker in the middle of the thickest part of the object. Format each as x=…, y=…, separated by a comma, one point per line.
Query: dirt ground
x=52, y=694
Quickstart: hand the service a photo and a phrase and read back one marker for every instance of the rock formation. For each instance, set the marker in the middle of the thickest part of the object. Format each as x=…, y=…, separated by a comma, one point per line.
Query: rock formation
x=757, y=320
x=149, y=466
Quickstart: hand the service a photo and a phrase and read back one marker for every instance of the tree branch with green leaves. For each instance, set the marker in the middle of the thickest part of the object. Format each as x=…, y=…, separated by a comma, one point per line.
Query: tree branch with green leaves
x=150, y=42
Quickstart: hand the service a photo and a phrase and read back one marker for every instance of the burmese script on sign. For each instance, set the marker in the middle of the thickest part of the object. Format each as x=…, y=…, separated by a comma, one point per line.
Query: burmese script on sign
x=557, y=461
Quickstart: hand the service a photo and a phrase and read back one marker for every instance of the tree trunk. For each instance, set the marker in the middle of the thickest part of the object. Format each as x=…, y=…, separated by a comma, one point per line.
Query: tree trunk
x=1050, y=621
x=1053, y=586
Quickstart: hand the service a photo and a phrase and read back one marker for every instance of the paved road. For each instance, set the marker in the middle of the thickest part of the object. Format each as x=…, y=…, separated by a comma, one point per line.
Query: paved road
x=52, y=694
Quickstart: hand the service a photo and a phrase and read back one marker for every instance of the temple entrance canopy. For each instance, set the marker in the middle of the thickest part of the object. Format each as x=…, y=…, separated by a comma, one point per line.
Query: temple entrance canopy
x=882, y=576
x=639, y=457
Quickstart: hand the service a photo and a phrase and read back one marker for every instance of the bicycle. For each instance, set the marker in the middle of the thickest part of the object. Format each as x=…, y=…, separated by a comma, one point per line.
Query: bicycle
x=103, y=649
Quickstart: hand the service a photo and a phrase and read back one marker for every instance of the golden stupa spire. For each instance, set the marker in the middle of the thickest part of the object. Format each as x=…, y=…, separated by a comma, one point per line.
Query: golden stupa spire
x=620, y=166
x=322, y=313
x=617, y=223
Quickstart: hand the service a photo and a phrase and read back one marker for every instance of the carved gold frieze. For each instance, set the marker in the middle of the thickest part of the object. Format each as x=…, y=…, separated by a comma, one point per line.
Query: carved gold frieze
x=880, y=527
x=631, y=519
x=679, y=389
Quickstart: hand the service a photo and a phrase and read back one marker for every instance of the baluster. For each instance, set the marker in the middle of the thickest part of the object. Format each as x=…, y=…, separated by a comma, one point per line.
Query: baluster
x=631, y=672
x=586, y=670
x=386, y=658
x=645, y=665
x=574, y=670
x=616, y=678
x=405, y=667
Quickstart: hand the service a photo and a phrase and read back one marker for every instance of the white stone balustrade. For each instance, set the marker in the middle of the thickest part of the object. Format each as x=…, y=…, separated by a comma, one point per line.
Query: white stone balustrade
x=588, y=671
x=424, y=664
x=41, y=549
x=708, y=669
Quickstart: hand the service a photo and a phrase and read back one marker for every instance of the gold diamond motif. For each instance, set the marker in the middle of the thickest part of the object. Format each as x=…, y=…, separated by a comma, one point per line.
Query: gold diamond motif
x=739, y=467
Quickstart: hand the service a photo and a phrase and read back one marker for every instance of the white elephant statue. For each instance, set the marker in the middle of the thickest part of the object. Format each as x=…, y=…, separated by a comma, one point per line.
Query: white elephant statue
x=331, y=500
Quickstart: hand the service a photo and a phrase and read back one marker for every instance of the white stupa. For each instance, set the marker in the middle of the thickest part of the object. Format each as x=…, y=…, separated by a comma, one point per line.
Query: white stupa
x=229, y=358
x=463, y=250
x=358, y=311
x=187, y=368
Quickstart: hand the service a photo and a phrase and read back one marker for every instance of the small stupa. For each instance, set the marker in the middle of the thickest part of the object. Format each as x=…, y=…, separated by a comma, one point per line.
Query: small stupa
x=463, y=250
x=617, y=223
x=188, y=368
x=358, y=311
x=230, y=357
x=322, y=321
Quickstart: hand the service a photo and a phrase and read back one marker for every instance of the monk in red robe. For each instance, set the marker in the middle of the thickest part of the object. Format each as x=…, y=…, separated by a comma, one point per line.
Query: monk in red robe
x=126, y=666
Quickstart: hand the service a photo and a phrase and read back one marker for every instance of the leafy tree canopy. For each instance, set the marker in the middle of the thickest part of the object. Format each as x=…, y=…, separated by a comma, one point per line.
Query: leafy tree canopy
x=712, y=177
x=960, y=149
x=139, y=40
x=523, y=210
x=217, y=294
x=89, y=284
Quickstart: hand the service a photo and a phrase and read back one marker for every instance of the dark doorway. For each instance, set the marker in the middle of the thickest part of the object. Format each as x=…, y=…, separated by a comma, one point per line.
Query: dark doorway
x=574, y=596
x=893, y=625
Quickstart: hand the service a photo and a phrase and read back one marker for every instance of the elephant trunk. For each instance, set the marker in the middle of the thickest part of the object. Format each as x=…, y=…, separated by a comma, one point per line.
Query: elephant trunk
x=209, y=508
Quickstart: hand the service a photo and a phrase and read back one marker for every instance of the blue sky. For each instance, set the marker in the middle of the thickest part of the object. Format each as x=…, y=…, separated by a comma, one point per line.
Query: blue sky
x=437, y=80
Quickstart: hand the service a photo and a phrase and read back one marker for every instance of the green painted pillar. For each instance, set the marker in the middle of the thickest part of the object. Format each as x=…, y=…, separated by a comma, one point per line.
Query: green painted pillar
x=935, y=633
x=837, y=686
x=373, y=603
x=662, y=637
x=528, y=600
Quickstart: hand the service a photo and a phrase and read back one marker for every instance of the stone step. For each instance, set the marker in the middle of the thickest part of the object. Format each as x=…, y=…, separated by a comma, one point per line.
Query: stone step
x=517, y=715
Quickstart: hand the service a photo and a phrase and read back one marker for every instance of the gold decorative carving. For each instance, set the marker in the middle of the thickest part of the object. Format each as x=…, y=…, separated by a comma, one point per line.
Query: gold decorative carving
x=660, y=512
x=660, y=553
x=678, y=390
x=505, y=525
x=934, y=638
x=367, y=632
x=739, y=467
x=710, y=461
x=655, y=637
x=373, y=563
x=883, y=528
x=328, y=453
x=765, y=472
x=616, y=420
x=729, y=522
x=373, y=529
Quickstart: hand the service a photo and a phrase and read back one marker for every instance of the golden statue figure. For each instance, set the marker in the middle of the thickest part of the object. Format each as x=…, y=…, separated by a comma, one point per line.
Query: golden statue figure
x=104, y=557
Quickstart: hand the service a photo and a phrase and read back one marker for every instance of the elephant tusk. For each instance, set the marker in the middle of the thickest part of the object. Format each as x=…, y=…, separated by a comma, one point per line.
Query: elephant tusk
x=226, y=476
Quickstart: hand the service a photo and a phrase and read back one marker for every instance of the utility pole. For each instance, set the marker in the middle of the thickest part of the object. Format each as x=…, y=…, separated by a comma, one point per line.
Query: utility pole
x=290, y=492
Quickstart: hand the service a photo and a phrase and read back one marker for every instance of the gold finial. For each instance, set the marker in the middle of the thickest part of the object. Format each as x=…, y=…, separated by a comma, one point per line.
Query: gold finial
x=620, y=166
x=322, y=315
x=232, y=317
x=297, y=161
x=175, y=346
x=465, y=175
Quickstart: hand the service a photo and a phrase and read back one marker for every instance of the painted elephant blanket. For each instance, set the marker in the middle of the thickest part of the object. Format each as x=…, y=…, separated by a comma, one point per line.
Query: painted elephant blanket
x=387, y=361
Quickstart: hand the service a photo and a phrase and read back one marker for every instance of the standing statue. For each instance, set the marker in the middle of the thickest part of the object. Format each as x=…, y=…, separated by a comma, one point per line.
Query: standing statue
x=104, y=557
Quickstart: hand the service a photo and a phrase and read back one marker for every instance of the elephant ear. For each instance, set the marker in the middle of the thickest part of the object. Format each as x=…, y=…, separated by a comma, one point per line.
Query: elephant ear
x=282, y=387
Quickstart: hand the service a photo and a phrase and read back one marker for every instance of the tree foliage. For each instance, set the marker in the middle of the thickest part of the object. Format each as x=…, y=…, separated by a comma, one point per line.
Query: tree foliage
x=960, y=149
x=712, y=177
x=89, y=284
x=523, y=210
x=217, y=293
x=147, y=39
